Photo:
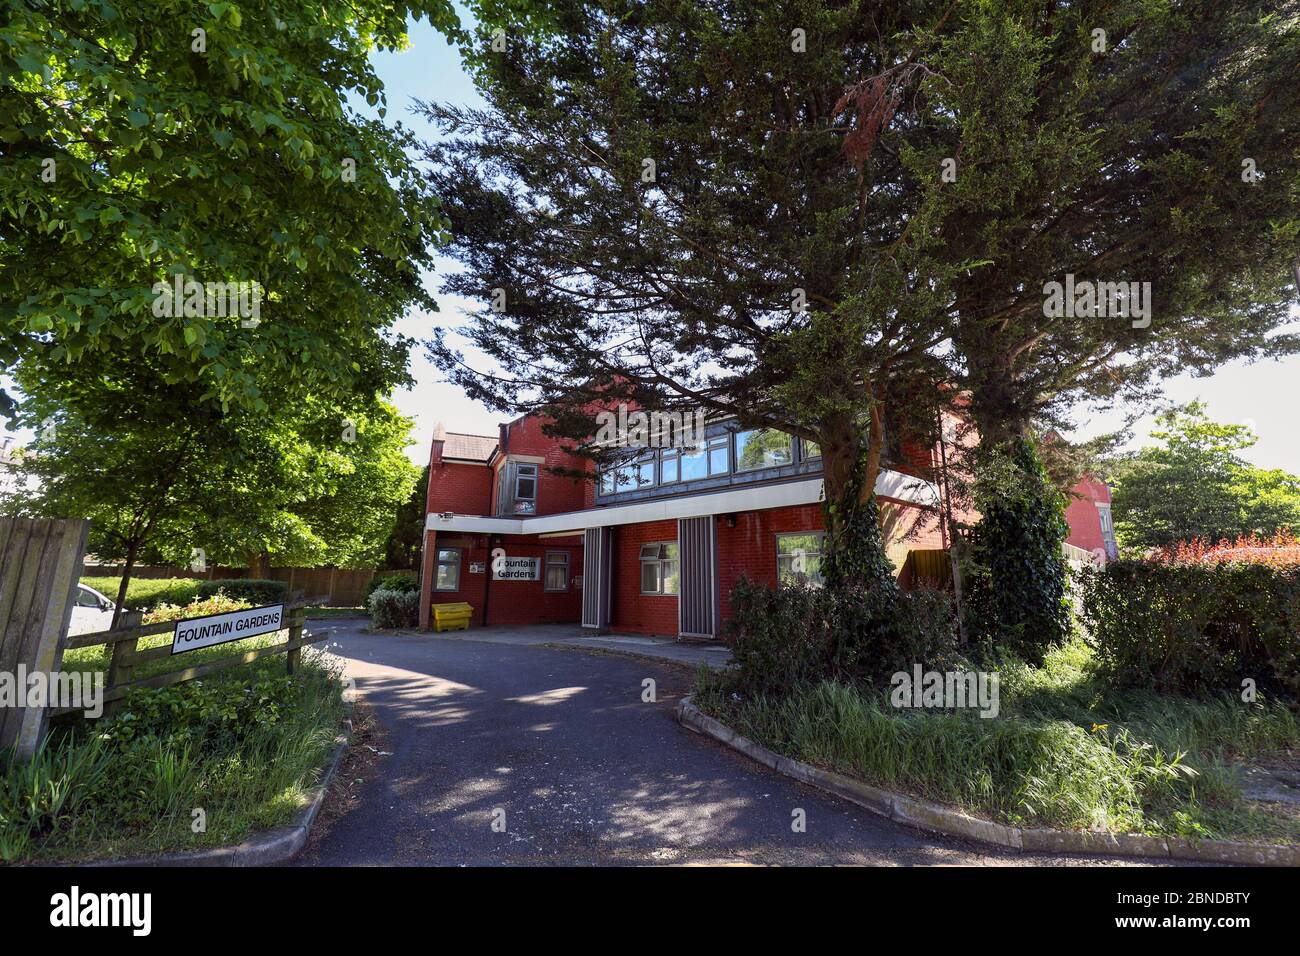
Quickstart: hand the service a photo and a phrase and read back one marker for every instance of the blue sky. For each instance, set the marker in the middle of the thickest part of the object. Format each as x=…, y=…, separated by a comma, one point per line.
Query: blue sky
x=1260, y=395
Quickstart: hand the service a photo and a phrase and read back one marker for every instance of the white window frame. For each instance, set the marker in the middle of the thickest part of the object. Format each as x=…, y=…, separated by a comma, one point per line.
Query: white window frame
x=519, y=475
x=438, y=562
x=555, y=559
x=661, y=562
x=820, y=552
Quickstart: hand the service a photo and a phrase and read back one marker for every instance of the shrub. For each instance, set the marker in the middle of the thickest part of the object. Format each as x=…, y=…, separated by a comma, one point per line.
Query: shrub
x=1195, y=628
x=393, y=581
x=394, y=608
x=783, y=638
x=257, y=592
x=145, y=594
x=219, y=603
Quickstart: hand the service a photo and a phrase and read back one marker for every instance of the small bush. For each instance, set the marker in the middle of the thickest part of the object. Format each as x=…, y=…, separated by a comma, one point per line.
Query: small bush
x=1195, y=628
x=257, y=592
x=219, y=603
x=394, y=608
x=145, y=594
x=783, y=638
x=393, y=581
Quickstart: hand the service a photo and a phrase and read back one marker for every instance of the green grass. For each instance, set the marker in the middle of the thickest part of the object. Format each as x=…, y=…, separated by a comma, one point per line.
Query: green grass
x=1063, y=752
x=143, y=594
x=243, y=747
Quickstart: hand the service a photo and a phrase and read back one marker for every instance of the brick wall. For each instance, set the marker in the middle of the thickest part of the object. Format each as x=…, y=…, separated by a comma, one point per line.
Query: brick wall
x=511, y=602
x=463, y=489
x=632, y=610
x=555, y=493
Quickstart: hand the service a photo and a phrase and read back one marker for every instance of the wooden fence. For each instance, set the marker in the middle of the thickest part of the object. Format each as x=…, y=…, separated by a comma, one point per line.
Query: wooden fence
x=125, y=656
x=40, y=562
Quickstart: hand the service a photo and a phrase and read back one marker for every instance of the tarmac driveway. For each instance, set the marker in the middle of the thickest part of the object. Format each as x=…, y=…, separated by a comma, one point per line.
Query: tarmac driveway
x=500, y=753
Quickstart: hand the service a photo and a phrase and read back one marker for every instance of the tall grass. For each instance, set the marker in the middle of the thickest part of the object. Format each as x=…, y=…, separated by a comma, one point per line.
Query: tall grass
x=178, y=778
x=1063, y=752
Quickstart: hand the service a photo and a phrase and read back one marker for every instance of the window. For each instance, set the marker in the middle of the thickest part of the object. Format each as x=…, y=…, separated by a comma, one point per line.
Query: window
x=799, y=558
x=447, y=577
x=87, y=598
x=620, y=475
x=763, y=448
x=668, y=467
x=659, y=568
x=525, y=489
x=645, y=471
x=709, y=459
x=809, y=449
x=557, y=571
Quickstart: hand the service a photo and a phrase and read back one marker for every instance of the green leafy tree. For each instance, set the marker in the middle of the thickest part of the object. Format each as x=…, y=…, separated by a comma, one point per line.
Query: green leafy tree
x=403, y=548
x=146, y=139
x=1194, y=484
x=319, y=486
x=132, y=481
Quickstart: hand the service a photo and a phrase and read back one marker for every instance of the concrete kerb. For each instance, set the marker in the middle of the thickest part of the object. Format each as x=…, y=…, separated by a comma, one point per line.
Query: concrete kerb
x=267, y=848
x=937, y=818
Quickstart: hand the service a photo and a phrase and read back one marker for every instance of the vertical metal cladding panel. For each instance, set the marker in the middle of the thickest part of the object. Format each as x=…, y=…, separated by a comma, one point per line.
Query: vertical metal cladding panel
x=697, y=604
x=597, y=576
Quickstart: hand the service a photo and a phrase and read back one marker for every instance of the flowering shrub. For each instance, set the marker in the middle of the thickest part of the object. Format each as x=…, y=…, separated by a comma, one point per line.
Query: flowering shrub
x=218, y=603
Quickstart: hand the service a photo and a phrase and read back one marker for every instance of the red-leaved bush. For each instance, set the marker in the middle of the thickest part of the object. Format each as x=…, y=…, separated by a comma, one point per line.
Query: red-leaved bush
x=1282, y=550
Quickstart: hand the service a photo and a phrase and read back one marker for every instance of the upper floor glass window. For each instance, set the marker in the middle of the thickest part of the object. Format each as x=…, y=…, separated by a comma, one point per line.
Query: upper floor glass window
x=645, y=471
x=525, y=489
x=669, y=466
x=712, y=458
x=763, y=448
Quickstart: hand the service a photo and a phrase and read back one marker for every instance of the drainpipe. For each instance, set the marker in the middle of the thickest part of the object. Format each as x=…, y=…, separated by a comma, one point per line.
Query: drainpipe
x=487, y=578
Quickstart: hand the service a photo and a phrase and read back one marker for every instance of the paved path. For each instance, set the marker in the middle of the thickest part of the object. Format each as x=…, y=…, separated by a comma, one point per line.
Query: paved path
x=559, y=747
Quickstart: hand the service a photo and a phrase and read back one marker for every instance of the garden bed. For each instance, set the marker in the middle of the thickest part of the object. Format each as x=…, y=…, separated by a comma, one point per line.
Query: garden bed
x=192, y=766
x=1065, y=751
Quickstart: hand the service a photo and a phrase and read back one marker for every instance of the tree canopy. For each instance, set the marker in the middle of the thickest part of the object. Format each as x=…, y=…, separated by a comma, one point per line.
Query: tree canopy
x=216, y=141
x=1194, y=484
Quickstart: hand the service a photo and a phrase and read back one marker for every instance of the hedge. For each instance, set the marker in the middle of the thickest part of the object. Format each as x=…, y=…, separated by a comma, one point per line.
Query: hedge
x=1194, y=629
x=145, y=594
x=254, y=590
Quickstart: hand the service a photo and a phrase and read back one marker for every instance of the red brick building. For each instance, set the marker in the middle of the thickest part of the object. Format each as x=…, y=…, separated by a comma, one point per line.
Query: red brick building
x=1088, y=515
x=655, y=545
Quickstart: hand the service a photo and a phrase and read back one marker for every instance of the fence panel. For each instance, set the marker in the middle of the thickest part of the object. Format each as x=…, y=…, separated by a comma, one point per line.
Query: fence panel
x=40, y=564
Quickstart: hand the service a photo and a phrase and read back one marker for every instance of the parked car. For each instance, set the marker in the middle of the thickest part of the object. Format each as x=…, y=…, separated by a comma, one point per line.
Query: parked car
x=92, y=612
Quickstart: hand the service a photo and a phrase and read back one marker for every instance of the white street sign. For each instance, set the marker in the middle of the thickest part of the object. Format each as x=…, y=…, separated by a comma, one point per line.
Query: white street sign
x=199, y=632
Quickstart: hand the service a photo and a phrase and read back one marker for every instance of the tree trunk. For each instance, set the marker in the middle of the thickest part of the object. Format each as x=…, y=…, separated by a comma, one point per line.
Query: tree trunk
x=855, y=552
x=132, y=550
x=259, y=565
